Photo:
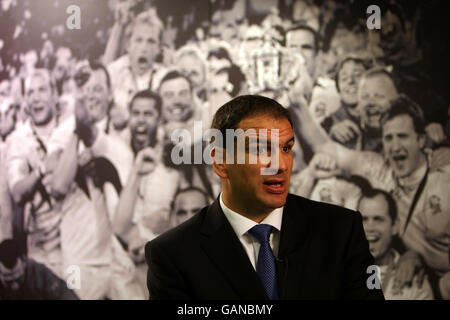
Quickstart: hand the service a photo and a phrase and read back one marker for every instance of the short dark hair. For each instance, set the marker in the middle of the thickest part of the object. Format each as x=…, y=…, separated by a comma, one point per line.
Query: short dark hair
x=234, y=111
x=95, y=66
x=147, y=94
x=301, y=26
x=175, y=74
x=403, y=105
x=373, y=193
x=10, y=251
x=235, y=77
x=83, y=74
x=219, y=53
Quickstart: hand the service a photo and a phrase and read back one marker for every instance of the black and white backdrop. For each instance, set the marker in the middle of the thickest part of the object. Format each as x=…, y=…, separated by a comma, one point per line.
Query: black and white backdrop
x=91, y=92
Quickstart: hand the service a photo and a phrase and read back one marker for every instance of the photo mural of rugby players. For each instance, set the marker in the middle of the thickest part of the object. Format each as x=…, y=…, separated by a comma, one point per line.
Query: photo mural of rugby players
x=90, y=119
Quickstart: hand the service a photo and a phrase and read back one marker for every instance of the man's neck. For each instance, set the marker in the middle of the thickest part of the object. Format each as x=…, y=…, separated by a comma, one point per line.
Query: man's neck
x=137, y=72
x=250, y=212
x=45, y=130
x=385, y=259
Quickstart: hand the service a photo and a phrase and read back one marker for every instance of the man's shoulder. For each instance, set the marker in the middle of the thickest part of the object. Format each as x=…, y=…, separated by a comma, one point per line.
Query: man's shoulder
x=183, y=235
x=325, y=219
x=317, y=208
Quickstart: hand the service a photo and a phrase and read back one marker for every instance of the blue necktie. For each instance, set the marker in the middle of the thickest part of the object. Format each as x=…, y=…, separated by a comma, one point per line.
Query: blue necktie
x=266, y=260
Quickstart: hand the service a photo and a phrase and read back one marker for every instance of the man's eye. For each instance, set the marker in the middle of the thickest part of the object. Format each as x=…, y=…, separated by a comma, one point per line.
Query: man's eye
x=168, y=95
x=287, y=149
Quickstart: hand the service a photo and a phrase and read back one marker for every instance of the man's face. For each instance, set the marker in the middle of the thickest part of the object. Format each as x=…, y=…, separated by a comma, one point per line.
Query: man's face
x=392, y=36
x=224, y=27
x=192, y=67
x=302, y=41
x=7, y=116
x=248, y=187
x=186, y=205
x=143, y=48
x=143, y=120
x=12, y=278
x=41, y=100
x=217, y=90
x=254, y=39
x=61, y=70
x=402, y=145
x=177, y=104
x=374, y=95
x=349, y=76
x=378, y=225
x=97, y=95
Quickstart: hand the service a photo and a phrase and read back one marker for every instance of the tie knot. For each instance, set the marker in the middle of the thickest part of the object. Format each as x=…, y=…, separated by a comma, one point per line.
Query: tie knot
x=261, y=232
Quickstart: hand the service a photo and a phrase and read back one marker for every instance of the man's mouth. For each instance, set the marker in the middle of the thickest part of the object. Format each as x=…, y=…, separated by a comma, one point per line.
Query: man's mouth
x=275, y=186
x=141, y=130
x=373, y=237
x=142, y=60
x=38, y=108
x=373, y=113
x=399, y=159
x=178, y=109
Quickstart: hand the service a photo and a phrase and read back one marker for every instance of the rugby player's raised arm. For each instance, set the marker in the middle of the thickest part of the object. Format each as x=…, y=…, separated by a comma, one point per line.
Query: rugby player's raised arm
x=66, y=169
x=315, y=136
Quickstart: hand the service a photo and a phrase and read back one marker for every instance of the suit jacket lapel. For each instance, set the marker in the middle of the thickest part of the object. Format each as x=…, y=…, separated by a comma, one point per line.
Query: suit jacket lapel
x=294, y=239
x=225, y=250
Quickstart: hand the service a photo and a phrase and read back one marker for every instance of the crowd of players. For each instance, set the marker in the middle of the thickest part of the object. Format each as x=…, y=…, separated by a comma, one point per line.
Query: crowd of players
x=86, y=174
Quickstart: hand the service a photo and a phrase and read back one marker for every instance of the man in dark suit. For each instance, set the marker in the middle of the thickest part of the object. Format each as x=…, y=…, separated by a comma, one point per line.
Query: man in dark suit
x=256, y=241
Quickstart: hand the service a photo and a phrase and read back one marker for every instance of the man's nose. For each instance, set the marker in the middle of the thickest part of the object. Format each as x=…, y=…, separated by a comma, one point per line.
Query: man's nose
x=284, y=161
x=34, y=97
x=395, y=144
x=369, y=225
x=279, y=162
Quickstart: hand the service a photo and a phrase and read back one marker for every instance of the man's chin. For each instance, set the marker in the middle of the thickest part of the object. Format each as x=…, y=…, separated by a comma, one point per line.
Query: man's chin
x=274, y=201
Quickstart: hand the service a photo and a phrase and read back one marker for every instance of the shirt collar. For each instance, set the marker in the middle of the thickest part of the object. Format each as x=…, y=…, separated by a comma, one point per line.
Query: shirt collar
x=241, y=224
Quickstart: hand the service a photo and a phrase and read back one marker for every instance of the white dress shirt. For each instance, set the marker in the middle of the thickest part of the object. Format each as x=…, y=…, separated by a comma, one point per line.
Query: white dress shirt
x=241, y=225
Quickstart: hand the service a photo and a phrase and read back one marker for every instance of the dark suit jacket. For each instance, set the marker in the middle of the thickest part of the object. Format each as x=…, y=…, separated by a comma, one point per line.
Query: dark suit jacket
x=323, y=254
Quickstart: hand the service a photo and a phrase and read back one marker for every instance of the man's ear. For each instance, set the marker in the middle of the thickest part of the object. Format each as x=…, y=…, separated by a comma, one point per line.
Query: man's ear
x=219, y=167
x=422, y=140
